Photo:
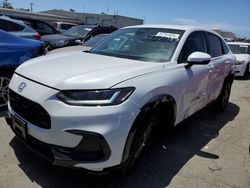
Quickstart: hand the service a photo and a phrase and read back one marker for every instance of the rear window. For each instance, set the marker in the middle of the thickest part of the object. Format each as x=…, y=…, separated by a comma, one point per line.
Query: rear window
x=44, y=27
x=54, y=25
x=66, y=26
x=10, y=26
x=215, y=47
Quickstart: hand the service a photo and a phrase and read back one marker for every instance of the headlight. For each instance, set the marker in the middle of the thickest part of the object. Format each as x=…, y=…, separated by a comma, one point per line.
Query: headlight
x=60, y=43
x=240, y=62
x=95, y=97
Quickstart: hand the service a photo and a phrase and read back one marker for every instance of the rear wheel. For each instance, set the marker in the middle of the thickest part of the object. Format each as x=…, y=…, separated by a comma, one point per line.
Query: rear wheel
x=142, y=134
x=222, y=100
x=4, y=83
x=246, y=71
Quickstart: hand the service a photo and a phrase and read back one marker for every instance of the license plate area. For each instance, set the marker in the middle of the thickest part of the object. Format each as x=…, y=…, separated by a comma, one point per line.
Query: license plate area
x=19, y=126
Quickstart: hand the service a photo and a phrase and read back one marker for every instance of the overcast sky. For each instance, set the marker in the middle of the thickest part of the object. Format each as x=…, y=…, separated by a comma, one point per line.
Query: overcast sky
x=229, y=15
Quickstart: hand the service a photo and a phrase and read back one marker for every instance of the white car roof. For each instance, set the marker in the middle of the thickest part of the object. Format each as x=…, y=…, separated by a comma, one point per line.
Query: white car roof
x=239, y=43
x=178, y=27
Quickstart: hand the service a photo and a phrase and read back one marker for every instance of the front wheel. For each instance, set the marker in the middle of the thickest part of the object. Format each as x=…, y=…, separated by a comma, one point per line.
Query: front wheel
x=4, y=83
x=145, y=127
x=222, y=100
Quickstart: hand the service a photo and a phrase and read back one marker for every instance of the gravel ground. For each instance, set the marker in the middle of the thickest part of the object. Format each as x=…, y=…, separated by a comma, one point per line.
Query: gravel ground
x=208, y=150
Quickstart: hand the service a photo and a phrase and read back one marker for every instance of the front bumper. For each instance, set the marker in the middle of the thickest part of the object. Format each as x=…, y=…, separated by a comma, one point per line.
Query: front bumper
x=112, y=123
x=239, y=69
x=93, y=148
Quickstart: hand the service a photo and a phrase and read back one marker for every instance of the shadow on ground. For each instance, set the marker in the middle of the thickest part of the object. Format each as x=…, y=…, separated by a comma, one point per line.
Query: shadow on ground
x=3, y=113
x=243, y=78
x=160, y=162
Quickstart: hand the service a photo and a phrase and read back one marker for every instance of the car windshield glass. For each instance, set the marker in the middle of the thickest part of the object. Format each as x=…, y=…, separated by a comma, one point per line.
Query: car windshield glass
x=238, y=49
x=78, y=31
x=93, y=41
x=143, y=44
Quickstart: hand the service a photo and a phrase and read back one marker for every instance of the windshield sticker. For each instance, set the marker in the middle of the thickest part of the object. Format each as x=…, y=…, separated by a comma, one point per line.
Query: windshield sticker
x=88, y=29
x=170, y=36
x=243, y=46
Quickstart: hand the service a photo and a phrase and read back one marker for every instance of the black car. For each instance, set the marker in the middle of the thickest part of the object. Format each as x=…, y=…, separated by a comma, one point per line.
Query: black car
x=81, y=33
x=43, y=28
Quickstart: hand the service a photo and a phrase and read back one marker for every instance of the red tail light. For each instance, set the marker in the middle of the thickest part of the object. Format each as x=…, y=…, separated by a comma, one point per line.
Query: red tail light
x=37, y=36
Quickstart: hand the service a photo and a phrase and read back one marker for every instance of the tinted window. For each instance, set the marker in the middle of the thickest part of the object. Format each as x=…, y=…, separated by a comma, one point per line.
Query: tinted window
x=44, y=27
x=10, y=26
x=196, y=42
x=78, y=31
x=66, y=26
x=215, y=47
x=54, y=25
x=225, y=48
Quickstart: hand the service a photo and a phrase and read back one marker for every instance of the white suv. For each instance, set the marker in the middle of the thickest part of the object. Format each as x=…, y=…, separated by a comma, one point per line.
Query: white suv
x=95, y=110
x=242, y=53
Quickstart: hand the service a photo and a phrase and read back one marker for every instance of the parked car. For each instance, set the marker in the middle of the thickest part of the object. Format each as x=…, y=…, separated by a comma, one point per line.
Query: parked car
x=43, y=28
x=18, y=28
x=62, y=26
x=96, y=110
x=14, y=51
x=242, y=53
x=83, y=47
x=80, y=32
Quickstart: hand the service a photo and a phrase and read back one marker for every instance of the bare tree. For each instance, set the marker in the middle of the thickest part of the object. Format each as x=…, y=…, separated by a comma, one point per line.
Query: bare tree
x=6, y=4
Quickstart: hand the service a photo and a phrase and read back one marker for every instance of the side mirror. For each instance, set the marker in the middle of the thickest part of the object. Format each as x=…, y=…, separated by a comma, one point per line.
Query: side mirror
x=198, y=58
x=78, y=42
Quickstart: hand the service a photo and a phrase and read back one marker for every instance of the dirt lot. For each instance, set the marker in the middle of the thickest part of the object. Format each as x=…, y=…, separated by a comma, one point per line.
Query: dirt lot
x=208, y=150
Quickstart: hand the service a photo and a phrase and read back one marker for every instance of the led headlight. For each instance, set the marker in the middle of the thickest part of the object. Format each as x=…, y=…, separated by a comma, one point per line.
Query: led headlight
x=95, y=97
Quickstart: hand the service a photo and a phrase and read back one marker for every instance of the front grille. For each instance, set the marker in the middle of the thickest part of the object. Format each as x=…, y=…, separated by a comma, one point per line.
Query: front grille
x=29, y=110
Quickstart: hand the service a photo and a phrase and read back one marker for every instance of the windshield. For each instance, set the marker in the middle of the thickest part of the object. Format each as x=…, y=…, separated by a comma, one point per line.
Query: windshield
x=93, y=41
x=78, y=31
x=238, y=49
x=143, y=44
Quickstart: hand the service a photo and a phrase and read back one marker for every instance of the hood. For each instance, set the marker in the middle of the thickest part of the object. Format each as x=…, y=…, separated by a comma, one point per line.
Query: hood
x=70, y=49
x=242, y=57
x=57, y=37
x=80, y=70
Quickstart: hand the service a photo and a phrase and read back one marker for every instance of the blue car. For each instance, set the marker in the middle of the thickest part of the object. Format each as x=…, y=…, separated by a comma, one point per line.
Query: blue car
x=14, y=51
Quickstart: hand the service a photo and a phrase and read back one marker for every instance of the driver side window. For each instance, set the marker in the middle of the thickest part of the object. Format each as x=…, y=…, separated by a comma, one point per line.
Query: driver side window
x=196, y=42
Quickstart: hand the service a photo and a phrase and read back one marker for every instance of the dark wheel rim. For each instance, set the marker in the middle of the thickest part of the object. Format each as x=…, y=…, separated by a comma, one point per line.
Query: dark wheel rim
x=225, y=97
x=4, y=82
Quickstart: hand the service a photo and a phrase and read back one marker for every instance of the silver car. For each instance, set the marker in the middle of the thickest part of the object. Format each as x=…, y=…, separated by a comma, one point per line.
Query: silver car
x=18, y=28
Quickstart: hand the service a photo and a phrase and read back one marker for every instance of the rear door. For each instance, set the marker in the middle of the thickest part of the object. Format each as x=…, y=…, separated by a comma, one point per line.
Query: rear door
x=219, y=62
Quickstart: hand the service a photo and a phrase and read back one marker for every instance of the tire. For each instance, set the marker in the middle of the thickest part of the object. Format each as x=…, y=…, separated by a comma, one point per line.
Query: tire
x=246, y=71
x=222, y=101
x=4, y=83
x=142, y=134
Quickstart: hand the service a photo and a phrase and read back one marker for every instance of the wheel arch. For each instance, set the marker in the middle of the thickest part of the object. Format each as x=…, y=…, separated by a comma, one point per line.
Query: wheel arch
x=156, y=104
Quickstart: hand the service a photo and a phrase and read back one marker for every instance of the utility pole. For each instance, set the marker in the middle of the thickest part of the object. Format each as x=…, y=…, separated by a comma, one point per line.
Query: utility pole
x=31, y=7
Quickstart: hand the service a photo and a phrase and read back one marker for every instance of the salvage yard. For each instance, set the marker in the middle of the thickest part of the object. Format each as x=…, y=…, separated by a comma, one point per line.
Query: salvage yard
x=208, y=150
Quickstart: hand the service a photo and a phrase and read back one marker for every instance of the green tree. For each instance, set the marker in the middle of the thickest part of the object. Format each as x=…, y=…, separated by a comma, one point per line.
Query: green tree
x=6, y=4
